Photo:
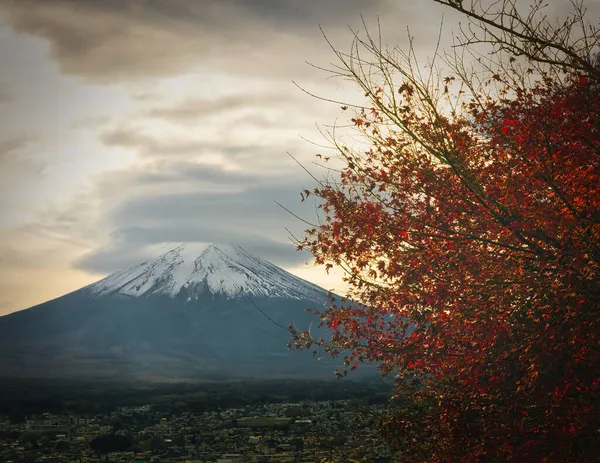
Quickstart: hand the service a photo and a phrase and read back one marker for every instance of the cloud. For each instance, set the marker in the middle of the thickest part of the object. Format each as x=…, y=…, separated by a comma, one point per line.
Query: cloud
x=243, y=130
x=198, y=174
x=100, y=40
x=244, y=212
x=90, y=122
x=116, y=40
x=193, y=111
x=231, y=151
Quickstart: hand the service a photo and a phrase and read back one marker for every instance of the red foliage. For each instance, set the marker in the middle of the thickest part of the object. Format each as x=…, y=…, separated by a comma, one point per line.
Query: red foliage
x=472, y=243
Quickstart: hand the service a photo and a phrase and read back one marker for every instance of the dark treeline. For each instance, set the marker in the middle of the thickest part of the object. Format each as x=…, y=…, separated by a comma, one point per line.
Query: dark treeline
x=19, y=399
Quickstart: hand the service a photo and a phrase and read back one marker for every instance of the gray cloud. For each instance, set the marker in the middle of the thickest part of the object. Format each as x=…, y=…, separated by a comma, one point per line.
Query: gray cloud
x=128, y=250
x=186, y=149
x=116, y=40
x=194, y=110
x=197, y=174
x=128, y=138
x=246, y=215
x=253, y=209
x=90, y=122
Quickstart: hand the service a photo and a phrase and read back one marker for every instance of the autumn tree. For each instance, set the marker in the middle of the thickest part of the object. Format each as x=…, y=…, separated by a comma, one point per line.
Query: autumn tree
x=466, y=214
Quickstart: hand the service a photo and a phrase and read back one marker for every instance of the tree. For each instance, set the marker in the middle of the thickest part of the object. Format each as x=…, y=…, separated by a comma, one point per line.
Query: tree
x=469, y=231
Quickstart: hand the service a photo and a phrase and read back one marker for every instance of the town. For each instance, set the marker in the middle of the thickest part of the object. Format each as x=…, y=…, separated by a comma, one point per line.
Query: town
x=306, y=431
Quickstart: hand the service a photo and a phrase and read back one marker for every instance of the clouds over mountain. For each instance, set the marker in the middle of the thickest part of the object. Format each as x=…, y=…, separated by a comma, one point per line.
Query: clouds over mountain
x=215, y=207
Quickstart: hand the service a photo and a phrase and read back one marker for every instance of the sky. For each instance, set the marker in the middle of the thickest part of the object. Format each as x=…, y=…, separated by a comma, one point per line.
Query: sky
x=127, y=125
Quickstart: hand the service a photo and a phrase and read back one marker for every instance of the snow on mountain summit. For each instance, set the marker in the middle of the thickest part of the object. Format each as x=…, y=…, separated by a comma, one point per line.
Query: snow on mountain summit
x=218, y=269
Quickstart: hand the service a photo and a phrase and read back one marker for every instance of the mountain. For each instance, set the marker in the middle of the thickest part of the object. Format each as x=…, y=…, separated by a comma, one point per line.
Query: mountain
x=195, y=313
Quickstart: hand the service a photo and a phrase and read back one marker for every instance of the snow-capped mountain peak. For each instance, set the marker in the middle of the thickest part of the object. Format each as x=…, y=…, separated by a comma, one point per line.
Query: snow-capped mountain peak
x=191, y=271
